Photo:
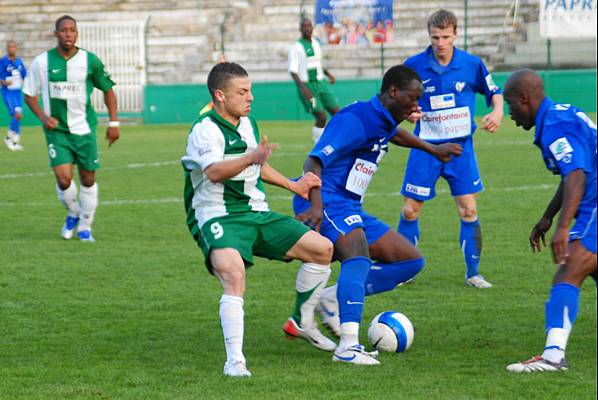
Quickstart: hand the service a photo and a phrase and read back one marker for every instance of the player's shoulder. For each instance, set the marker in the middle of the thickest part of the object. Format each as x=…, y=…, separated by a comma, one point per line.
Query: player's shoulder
x=416, y=59
x=468, y=58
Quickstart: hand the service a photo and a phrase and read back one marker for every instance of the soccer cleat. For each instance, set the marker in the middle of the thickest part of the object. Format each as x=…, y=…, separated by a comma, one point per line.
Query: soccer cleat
x=9, y=143
x=537, y=364
x=356, y=355
x=236, y=369
x=327, y=309
x=17, y=147
x=312, y=335
x=478, y=281
x=85, y=236
x=68, y=229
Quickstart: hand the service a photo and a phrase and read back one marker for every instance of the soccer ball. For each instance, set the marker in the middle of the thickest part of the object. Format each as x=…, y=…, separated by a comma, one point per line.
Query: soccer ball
x=391, y=331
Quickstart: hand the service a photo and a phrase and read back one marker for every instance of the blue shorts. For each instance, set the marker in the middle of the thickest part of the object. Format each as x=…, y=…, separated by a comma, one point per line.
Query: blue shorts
x=585, y=229
x=13, y=100
x=423, y=170
x=341, y=216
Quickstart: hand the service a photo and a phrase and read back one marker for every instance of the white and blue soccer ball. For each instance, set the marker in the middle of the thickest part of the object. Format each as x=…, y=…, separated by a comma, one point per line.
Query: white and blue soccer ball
x=391, y=331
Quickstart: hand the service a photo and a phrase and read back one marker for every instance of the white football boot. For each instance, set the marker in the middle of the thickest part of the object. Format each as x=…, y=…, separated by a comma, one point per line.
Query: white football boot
x=236, y=369
x=356, y=355
x=9, y=143
x=537, y=364
x=478, y=281
x=16, y=139
x=327, y=309
x=312, y=335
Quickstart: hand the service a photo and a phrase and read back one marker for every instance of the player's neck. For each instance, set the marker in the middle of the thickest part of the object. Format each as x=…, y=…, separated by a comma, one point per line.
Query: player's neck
x=66, y=54
x=12, y=58
x=445, y=59
x=234, y=120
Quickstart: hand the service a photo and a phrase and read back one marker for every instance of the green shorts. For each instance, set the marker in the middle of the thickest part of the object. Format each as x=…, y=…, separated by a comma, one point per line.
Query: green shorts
x=66, y=148
x=264, y=234
x=323, y=98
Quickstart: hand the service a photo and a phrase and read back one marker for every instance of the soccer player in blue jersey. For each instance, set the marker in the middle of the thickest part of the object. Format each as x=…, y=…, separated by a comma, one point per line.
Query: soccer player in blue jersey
x=451, y=78
x=12, y=73
x=566, y=137
x=346, y=158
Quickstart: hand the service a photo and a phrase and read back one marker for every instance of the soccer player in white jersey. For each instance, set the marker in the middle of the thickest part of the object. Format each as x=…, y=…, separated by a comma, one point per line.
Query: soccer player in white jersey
x=225, y=165
x=64, y=77
x=312, y=80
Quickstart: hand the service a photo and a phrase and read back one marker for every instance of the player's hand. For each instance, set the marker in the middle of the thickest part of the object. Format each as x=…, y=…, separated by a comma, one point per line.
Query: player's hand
x=491, y=122
x=560, y=246
x=308, y=181
x=416, y=115
x=312, y=217
x=445, y=151
x=112, y=135
x=50, y=123
x=331, y=79
x=538, y=236
x=263, y=152
x=306, y=93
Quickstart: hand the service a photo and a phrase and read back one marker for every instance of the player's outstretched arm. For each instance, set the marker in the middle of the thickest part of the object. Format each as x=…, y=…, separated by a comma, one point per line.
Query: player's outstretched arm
x=313, y=215
x=537, y=238
x=300, y=187
x=113, y=131
x=303, y=89
x=573, y=189
x=443, y=151
x=48, y=122
x=491, y=122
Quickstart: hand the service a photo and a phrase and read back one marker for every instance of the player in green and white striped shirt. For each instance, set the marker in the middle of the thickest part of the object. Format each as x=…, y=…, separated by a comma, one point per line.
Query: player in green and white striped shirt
x=64, y=77
x=225, y=165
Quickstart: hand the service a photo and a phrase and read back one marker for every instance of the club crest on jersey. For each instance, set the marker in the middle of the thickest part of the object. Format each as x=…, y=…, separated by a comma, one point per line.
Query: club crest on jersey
x=561, y=150
x=459, y=86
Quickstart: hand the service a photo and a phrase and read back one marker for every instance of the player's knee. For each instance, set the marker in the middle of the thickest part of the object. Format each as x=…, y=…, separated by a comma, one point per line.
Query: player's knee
x=63, y=182
x=410, y=212
x=88, y=181
x=18, y=116
x=324, y=251
x=468, y=214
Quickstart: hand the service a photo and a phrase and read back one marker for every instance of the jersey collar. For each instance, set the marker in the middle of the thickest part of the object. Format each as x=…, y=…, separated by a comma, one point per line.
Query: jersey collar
x=212, y=113
x=455, y=61
x=377, y=105
x=544, y=106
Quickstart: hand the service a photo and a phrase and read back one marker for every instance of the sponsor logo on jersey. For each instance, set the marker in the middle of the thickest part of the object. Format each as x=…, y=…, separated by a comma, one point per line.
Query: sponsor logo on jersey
x=490, y=82
x=353, y=219
x=561, y=150
x=418, y=190
x=429, y=89
x=328, y=150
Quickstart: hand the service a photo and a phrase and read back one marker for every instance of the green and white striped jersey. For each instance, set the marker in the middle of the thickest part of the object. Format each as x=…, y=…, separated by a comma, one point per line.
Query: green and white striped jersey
x=305, y=60
x=213, y=139
x=65, y=87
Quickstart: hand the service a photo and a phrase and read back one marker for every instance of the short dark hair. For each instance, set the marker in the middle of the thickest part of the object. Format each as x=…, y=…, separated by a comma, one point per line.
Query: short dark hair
x=222, y=73
x=399, y=76
x=442, y=19
x=61, y=19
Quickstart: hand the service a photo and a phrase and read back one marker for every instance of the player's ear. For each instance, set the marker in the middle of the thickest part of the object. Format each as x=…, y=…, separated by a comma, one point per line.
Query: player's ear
x=219, y=96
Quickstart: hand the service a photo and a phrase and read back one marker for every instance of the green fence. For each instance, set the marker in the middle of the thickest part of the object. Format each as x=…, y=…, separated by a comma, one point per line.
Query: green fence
x=279, y=100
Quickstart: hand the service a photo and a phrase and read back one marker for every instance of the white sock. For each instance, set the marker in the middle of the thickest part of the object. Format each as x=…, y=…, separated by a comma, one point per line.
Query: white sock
x=329, y=293
x=316, y=133
x=68, y=198
x=556, y=343
x=310, y=277
x=88, y=201
x=231, y=319
x=349, y=335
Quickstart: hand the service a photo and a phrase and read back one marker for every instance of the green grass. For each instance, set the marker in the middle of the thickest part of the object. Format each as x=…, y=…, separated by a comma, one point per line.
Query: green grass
x=135, y=316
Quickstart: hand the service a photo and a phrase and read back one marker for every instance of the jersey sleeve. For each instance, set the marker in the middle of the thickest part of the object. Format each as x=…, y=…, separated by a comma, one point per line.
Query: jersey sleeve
x=99, y=76
x=32, y=85
x=485, y=84
x=3, y=68
x=205, y=146
x=24, y=74
x=568, y=152
x=343, y=134
x=294, y=59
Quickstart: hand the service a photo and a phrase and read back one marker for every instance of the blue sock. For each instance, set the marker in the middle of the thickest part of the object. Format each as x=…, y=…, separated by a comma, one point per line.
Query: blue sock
x=563, y=296
x=14, y=125
x=383, y=277
x=350, y=290
x=409, y=229
x=471, y=244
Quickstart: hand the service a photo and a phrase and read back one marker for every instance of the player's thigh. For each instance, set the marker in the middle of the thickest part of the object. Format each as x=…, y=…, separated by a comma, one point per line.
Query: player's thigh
x=581, y=263
x=462, y=173
x=59, y=149
x=277, y=234
x=312, y=247
x=353, y=244
x=228, y=266
x=393, y=247
x=238, y=232
x=327, y=97
x=85, y=150
x=421, y=174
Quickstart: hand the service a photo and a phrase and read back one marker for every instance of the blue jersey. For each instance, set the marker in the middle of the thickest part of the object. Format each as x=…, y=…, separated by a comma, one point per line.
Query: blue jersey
x=353, y=143
x=448, y=99
x=567, y=138
x=13, y=72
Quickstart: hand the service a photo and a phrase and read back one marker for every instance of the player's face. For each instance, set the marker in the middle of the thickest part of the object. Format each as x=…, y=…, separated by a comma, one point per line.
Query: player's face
x=11, y=49
x=66, y=34
x=443, y=41
x=405, y=101
x=307, y=29
x=519, y=110
x=237, y=97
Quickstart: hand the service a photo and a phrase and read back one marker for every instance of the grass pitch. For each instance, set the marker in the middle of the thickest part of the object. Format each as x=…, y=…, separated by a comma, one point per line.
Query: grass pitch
x=135, y=315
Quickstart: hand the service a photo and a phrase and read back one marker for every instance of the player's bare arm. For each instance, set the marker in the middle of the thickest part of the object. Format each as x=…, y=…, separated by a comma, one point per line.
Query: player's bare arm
x=301, y=187
x=331, y=77
x=442, y=151
x=573, y=189
x=113, y=131
x=491, y=122
x=305, y=92
x=313, y=215
x=47, y=121
x=539, y=230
